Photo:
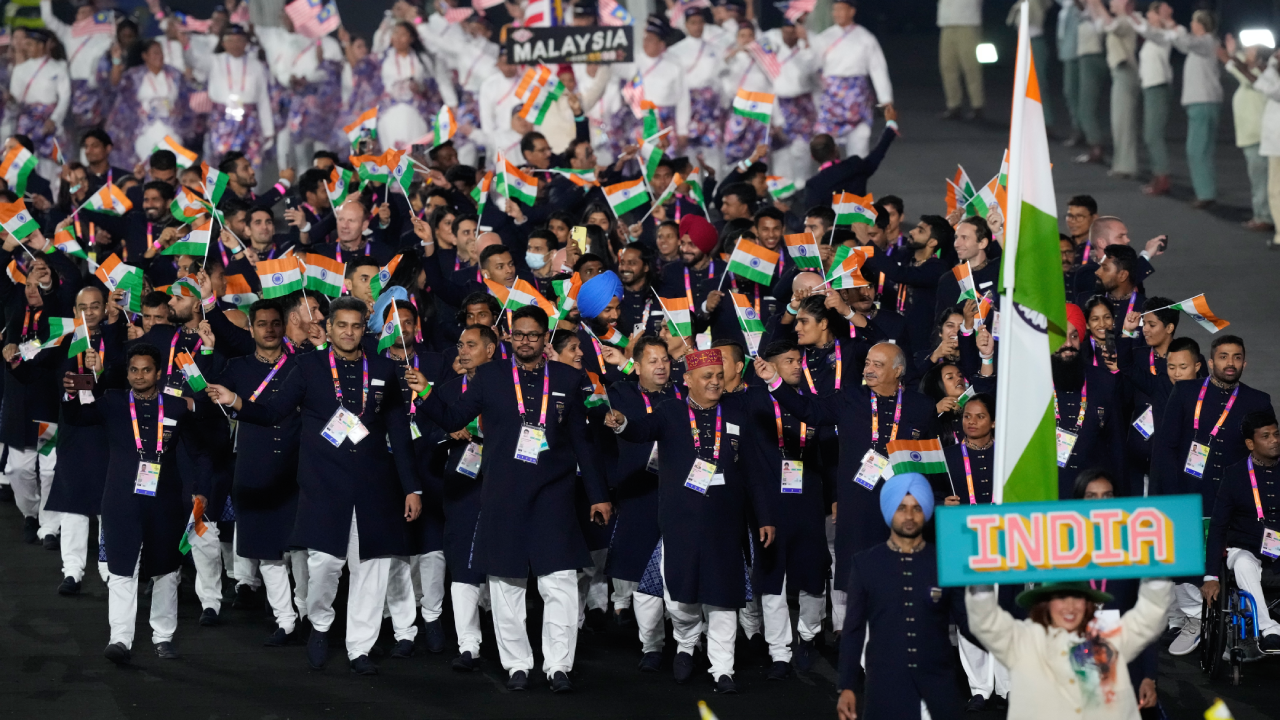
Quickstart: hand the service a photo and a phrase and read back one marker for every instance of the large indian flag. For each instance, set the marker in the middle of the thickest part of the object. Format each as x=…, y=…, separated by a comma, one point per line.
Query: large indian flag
x=1035, y=315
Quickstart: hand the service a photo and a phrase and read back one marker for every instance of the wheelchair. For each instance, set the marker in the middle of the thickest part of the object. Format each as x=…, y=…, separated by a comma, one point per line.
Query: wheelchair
x=1230, y=630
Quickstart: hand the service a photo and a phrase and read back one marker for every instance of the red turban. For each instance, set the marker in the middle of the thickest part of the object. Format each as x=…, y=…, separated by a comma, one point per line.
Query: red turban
x=702, y=358
x=700, y=232
x=1075, y=316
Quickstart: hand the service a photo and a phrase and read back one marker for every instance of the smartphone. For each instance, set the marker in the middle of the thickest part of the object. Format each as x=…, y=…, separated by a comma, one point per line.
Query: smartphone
x=82, y=382
x=1109, y=343
x=1164, y=243
x=290, y=202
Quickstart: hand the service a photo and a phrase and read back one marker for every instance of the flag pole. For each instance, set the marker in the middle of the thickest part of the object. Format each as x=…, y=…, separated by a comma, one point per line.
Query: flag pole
x=720, y=287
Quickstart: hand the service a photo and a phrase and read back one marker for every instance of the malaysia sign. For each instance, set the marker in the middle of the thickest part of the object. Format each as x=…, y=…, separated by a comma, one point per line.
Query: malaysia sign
x=591, y=44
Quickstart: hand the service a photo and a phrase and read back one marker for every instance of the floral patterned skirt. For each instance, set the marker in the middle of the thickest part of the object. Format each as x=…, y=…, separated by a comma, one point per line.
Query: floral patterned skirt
x=706, y=117
x=227, y=133
x=846, y=102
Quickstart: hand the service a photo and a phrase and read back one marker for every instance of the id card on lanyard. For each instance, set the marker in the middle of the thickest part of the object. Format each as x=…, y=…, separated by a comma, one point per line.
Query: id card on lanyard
x=1198, y=455
x=792, y=470
x=533, y=438
x=703, y=473
x=1066, y=439
x=147, y=480
x=1270, y=538
x=344, y=424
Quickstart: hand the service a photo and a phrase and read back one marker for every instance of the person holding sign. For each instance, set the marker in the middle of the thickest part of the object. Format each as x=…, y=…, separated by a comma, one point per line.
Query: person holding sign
x=355, y=493
x=535, y=442
x=709, y=476
x=1246, y=522
x=143, y=512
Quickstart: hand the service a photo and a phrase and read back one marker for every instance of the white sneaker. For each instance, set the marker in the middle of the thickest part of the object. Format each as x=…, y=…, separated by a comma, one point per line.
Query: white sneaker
x=1188, y=639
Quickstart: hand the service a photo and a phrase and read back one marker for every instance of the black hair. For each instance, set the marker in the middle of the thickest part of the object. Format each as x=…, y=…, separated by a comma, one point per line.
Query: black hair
x=637, y=351
x=1226, y=340
x=739, y=351
x=486, y=333
x=560, y=338
x=154, y=299
x=881, y=220
x=825, y=214
x=770, y=212
x=823, y=148
x=741, y=190
x=941, y=230
x=529, y=138
x=1094, y=302
x=979, y=224
x=148, y=350
x=545, y=234
x=434, y=153
x=491, y=251
x=478, y=298
x=1159, y=306
x=438, y=215
x=347, y=302
x=227, y=165
x=1085, y=201
x=987, y=400
x=779, y=347
x=1124, y=258
x=815, y=306
x=165, y=189
x=1186, y=344
x=1087, y=476
x=326, y=154
x=163, y=160
x=267, y=304
x=460, y=218
x=931, y=384
x=1255, y=421
x=533, y=312
x=360, y=261
x=312, y=181
x=460, y=173
x=894, y=202
x=97, y=134
x=585, y=258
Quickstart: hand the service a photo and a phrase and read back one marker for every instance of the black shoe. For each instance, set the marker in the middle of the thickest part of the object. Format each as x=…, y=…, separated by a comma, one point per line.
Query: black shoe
x=977, y=703
x=51, y=542
x=403, y=649
x=682, y=667
x=625, y=619
x=779, y=670
x=279, y=638
x=1269, y=644
x=6, y=493
x=317, y=649
x=466, y=663
x=804, y=655
x=651, y=662
x=247, y=598
x=118, y=654
x=30, y=531
x=209, y=618
x=518, y=681
x=759, y=648
x=725, y=686
x=999, y=702
x=433, y=636
x=950, y=114
x=596, y=621
x=363, y=666
x=69, y=586
x=560, y=683
x=974, y=115
x=165, y=651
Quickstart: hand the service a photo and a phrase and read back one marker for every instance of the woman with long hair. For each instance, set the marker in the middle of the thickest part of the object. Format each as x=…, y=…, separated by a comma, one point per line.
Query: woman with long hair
x=414, y=88
x=361, y=87
x=40, y=87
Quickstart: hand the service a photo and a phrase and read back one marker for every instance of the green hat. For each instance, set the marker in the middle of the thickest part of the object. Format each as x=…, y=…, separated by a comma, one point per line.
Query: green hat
x=1044, y=592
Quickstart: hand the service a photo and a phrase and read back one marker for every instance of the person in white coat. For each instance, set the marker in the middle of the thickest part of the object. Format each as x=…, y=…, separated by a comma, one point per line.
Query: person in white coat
x=701, y=55
x=1268, y=83
x=414, y=87
x=1070, y=658
x=795, y=114
x=853, y=67
x=83, y=52
x=241, y=118
x=40, y=87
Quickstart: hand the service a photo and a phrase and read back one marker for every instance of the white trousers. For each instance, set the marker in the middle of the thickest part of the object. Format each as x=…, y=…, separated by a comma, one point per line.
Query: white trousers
x=593, y=586
x=1187, y=600
x=857, y=142
x=245, y=571
x=31, y=475
x=401, y=606
x=75, y=546
x=206, y=553
x=365, y=593
x=429, y=573
x=1248, y=572
x=622, y=592
x=777, y=621
x=275, y=577
x=122, y=606
x=986, y=674
x=466, y=616
x=649, y=611
x=687, y=625
x=838, y=595
x=559, y=592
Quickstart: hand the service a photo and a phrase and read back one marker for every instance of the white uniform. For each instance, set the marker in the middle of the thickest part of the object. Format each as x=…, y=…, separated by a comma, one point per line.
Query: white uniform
x=843, y=53
x=402, y=123
x=159, y=95
x=798, y=80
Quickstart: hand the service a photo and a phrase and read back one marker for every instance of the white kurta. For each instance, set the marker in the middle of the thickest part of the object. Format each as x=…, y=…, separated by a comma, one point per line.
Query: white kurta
x=853, y=52
x=702, y=61
x=664, y=85
x=159, y=96
x=199, y=56
x=42, y=81
x=83, y=53
x=799, y=67
x=174, y=54
x=497, y=98
x=242, y=81
x=402, y=123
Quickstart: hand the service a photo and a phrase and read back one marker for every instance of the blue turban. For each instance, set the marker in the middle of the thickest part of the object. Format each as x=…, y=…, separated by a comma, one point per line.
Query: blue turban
x=595, y=294
x=379, y=314
x=898, y=487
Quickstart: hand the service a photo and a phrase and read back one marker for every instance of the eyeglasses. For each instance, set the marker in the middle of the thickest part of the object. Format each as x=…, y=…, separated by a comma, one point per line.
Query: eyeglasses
x=527, y=337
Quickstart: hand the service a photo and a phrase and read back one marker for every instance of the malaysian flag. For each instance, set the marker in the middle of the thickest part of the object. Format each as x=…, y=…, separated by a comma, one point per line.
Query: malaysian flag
x=633, y=93
x=765, y=58
x=798, y=8
x=455, y=15
x=192, y=25
x=543, y=13
x=676, y=11
x=103, y=23
x=614, y=15
x=313, y=18
x=481, y=5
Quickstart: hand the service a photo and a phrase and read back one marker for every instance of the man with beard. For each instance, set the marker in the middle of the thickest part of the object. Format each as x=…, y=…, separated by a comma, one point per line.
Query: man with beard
x=707, y=484
x=639, y=310
x=141, y=228
x=695, y=277
x=1103, y=233
x=972, y=241
x=1118, y=277
x=599, y=304
x=1199, y=437
x=930, y=245
x=1087, y=419
x=894, y=598
x=535, y=444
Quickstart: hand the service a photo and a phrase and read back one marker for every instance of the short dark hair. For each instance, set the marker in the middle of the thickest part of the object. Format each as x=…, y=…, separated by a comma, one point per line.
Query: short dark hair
x=347, y=302
x=1255, y=421
x=744, y=192
x=163, y=160
x=491, y=251
x=257, y=209
x=97, y=134
x=823, y=148
x=154, y=299
x=894, y=202
x=360, y=261
x=740, y=353
x=1124, y=258
x=533, y=312
x=228, y=164
x=1085, y=201
x=585, y=258
x=460, y=218
x=529, y=138
x=986, y=400
x=823, y=213
x=560, y=338
x=1159, y=306
x=486, y=333
x=325, y=155
x=311, y=181
x=980, y=225
x=1089, y=475
x=779, y=347
x=816, y=306
x=770, y=212
x=1184, y=344
x=941, y=230
x=648, y=341
x=146, y=349
x=264, y=306
x=165, y=189
x=434, y=152
x=1226, y=340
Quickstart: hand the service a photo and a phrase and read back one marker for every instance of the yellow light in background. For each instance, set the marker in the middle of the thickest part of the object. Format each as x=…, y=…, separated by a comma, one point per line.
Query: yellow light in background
x=987, y=53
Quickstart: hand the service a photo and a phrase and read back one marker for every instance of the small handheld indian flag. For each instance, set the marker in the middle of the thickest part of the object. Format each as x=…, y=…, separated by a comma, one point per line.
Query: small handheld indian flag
x=650, y=157
x=110, y=200
x=402, y=174
x=515, y=183
x=185, y=157
x=117, y=275
x=753, y=262
x=57, y=155
x=694, y=179
x=366, y=123
x=16, y=168
x=581, y=178
x=750, y=322
x=915, y=456
x=16, y=220
x=195, y=527
x=521, y=294
x=965, y=397
x=532, y=80
x=850, y=208
x=79, y=337
x=47, y=440
x=964, y=277
x=984, y=310
x=390, y=329
x=679, y=316
x=566, y=294
x=215, y=183
x=59, y=327
x=66, y=241
x=189, y=369
x=538, y=104
x=614, y=337
x=1198, y=309
x=185, y=286
x=597, y=395
x=780, y=187
x=846, y=267
x=279, y=277
x=624, y=197
x=194, y=243
x=803, y=249
x=376, y=168
x=239, y=292
x=324, y=275
x=480, y=193
x=187, y=207
x=380, y=282
x=445, y=128
x=756, y=106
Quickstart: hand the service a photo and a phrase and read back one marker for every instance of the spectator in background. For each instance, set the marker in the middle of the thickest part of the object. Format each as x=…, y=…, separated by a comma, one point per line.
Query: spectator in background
x=1202, y=98
x=1248, y=105
x=1156, y=74
x=1269, y=84
x=960, y=22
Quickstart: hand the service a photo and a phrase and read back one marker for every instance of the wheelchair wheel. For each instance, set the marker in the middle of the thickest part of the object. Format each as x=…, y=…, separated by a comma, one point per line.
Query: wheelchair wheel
x=1214, y=637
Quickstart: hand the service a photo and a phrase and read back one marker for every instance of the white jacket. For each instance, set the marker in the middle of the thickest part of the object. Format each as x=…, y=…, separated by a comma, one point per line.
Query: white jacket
x=1043, y=685
x=1269, y=84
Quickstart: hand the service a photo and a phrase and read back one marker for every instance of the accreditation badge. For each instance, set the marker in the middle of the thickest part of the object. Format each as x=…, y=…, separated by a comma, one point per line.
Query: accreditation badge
x=469, y=464
x=1066, y=444
x=792, y=477
x=147, y=479
x=533, y=440
x=1145, y=424
x=1197, y=458
x=701, y=476
x=873, y=466
x=1270, y=543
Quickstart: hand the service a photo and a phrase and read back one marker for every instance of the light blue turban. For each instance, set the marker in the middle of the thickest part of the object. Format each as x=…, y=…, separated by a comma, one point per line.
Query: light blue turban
x=898, y=487
x=595, y=294
x=379, y=314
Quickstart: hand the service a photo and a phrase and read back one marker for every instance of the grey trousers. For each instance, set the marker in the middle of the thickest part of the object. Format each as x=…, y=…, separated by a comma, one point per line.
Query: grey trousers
x=1257, y=167
x=1124, y=118
x=1093, y=82
x=1071, y=91
x=1155, y=121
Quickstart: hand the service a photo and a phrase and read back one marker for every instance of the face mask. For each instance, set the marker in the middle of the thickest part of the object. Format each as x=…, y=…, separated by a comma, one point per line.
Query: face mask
x=75, y=189
x=535, y=260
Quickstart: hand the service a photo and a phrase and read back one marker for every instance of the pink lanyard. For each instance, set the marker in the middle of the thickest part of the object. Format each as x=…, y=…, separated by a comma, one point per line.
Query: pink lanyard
x=546, y=392
x=364, y=381
x=1084, y=403
x=697, y=444
x=875, y=417
x=777, y=416
x=274, y=370
x=34, y=75
x=1253, y=480
x=137, y=435
x=244, y=75
x=1195, y=421
x=968, y=471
